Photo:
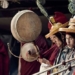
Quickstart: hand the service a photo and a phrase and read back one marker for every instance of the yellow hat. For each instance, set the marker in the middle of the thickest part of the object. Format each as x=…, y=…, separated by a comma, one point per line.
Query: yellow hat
x=55, y=27
x=71, y=28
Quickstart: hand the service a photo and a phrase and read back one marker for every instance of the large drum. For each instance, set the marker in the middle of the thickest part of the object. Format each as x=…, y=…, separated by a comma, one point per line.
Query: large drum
x=26, y=26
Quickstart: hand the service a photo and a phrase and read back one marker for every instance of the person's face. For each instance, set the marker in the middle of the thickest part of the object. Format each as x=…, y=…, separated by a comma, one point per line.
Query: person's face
x=56, y=40
x=52, y=37
x=70, y=41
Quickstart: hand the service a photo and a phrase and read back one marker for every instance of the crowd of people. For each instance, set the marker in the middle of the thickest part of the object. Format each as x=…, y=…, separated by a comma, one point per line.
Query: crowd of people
x=61, y=33
x=62, y=36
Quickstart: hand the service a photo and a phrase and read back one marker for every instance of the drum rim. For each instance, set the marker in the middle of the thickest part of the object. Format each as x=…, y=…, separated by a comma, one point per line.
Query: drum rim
x=15, y=18
x=22, y=48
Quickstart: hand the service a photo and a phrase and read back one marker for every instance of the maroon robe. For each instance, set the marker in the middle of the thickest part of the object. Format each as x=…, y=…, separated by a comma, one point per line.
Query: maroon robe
x=51, y=53
x=4, y=60
x=28, y=68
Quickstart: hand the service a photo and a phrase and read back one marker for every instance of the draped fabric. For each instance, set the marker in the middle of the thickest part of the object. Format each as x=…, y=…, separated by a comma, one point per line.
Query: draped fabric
x=51, y=53
x=28, y=68
x=4, y=60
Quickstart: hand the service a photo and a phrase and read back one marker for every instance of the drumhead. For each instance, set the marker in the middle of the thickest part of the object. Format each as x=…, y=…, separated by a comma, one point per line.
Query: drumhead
x=26, y=26
x=25, y=49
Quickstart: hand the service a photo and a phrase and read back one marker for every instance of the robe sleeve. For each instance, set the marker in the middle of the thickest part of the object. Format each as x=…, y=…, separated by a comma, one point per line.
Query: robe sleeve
x=1, y=64
x=54, y=55
x=4, y=60
x=42, y=44
x=51, y=53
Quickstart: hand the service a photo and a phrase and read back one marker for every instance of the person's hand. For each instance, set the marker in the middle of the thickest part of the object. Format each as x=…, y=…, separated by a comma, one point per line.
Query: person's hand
x=43, y=60
x=46, y=61
x=40, y=60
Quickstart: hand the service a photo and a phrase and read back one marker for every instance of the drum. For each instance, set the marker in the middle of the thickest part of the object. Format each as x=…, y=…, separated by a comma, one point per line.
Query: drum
x=29, y=52
x=26, y=26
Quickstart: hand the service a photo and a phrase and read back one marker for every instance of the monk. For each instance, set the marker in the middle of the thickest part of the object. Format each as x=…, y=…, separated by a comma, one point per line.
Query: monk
x=28, y=68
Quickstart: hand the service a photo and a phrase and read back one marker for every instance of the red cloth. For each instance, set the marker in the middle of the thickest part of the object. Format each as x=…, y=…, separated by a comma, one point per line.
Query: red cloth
x=49, y=25
x=51, y=53
x=74, y=72
x=58, y=17
x=28, y=68
x=4, y=60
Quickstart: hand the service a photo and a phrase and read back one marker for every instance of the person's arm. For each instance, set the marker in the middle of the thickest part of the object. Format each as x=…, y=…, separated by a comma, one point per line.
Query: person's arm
x=45, y=61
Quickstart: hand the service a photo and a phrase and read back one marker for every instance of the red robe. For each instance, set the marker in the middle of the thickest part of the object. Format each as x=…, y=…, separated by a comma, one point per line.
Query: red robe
x=4, y=60
x=28, y=68
x=51, y=53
